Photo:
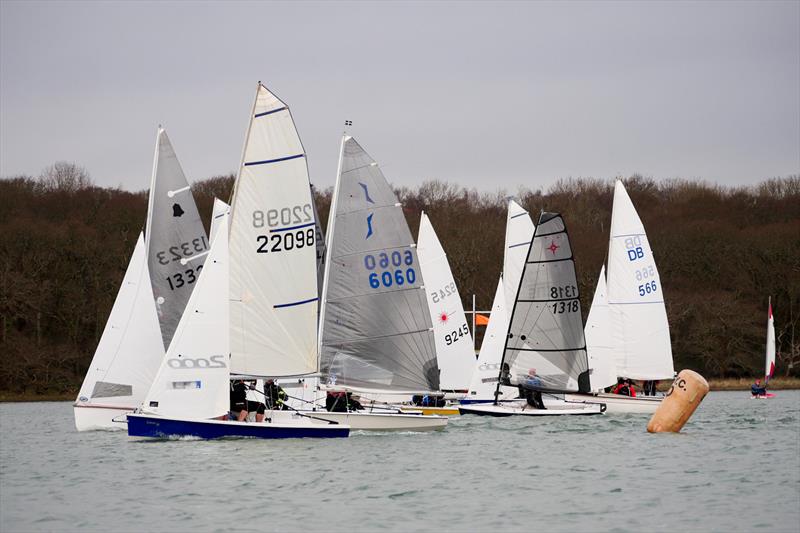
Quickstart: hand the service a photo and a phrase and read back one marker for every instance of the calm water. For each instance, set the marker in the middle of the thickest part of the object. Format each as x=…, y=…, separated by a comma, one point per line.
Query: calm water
x=736, y=467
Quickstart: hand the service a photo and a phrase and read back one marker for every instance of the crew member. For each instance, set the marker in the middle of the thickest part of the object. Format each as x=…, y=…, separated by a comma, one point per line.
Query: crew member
x=274, y=395
x=530, y=390
x=757, y=390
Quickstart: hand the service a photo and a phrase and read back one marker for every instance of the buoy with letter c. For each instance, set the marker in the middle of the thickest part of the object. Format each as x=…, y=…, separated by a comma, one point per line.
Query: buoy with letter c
x=685, y=394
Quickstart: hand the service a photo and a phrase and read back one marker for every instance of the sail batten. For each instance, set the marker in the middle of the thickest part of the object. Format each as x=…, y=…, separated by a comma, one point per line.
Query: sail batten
x=375, y=330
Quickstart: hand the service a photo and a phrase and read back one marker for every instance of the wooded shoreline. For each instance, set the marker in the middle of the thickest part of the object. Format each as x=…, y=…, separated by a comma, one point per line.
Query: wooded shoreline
x=721, y=252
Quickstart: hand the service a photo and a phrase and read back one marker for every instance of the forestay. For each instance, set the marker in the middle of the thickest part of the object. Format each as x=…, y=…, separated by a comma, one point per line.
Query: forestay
x=192, y=381
x=376, y=330
x=769, y=370
x=545, y=334
x=273, y=285
x=454, y=349
x=640, y=331
x=598, y=339
x=131, y=348
x=175, y=238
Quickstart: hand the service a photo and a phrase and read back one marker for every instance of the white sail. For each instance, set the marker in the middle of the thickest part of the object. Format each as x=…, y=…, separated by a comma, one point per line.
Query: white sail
x=769, y=370
x=599, y=346
x=375, y=328
x=174, y=235
x=273, y=250
x=454, y=349
x=193, y=379
x=519, y=232
x=221, y=210
x=484, y=378
x=131, y=348
x=640, y=331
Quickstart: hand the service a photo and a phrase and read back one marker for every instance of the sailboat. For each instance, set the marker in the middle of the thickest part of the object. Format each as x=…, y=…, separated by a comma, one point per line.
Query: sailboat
x=769, y=367
x=452, y=337
x=545, y=349
x=376, y=336
x=519, y=232
x=628, y=334
x=159, y=279
x=189, y=396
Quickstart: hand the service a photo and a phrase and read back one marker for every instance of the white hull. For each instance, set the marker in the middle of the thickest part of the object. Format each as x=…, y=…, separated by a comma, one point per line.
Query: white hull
x=618, y=404
x=369, y=421
x=100, y=418
x=523, y=409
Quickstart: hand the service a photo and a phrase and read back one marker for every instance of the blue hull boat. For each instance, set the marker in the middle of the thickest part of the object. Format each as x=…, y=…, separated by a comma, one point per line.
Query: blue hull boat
x=159, y=427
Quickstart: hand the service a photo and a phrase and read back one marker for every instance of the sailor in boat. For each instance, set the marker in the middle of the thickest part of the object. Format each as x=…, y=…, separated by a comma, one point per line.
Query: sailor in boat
x=649, y=387
x=757, y=390
x=529, y=389
x=624, y=387
x=274, y=395
x=240, y=405
x=341, y=402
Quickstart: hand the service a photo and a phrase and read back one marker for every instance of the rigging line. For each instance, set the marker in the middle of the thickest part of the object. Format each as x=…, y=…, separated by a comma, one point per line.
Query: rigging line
x=373, y=164
x=373, y=208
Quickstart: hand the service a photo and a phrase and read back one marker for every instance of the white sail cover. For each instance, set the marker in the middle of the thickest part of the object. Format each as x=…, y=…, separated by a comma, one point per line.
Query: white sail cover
x=598, y=339
x=130, y=349
x=545, y=336
x=519, y=232
x=193, y=379
x=174, y=234
x=769, y=370
x=484, y=379
x=454, y=348
x=273, y=250
x=376, y=330
x=640, y=331
x=221, y=210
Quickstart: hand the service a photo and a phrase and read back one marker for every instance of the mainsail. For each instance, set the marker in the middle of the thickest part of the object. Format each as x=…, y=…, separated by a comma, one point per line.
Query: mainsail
x=175, y=239
x=598, y=339
x=221, y=210
x=375, y=330
x=640, y=331
x=769, y=371
x=454, y=349
x=545, y=336
x=273, y=283
x=192, y=381
x=130, y=349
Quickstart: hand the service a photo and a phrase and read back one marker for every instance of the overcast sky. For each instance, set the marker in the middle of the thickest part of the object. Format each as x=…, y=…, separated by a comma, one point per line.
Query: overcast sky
x=487, y=95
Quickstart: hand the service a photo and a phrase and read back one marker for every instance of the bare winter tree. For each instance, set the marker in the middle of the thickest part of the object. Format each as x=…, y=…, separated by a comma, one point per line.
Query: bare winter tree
x=64, y=176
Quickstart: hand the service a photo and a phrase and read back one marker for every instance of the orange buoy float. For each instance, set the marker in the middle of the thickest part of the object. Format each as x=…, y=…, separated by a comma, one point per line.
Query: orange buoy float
x=685, y=394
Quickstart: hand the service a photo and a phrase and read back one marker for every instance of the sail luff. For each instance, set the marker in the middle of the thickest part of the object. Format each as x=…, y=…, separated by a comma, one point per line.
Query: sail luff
x=151, y=193
x=598, y=339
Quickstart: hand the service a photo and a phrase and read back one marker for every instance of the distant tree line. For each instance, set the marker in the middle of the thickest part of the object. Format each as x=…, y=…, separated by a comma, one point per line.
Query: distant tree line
x=65, y=244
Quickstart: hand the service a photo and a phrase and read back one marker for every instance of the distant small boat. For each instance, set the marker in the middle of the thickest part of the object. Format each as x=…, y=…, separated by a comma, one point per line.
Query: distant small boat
x=769, y=367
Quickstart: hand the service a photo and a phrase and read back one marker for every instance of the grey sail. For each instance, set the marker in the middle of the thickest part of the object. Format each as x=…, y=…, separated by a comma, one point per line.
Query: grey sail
x=545, y=337
x=320, y=242
x=376, y=331
x=176, y=240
